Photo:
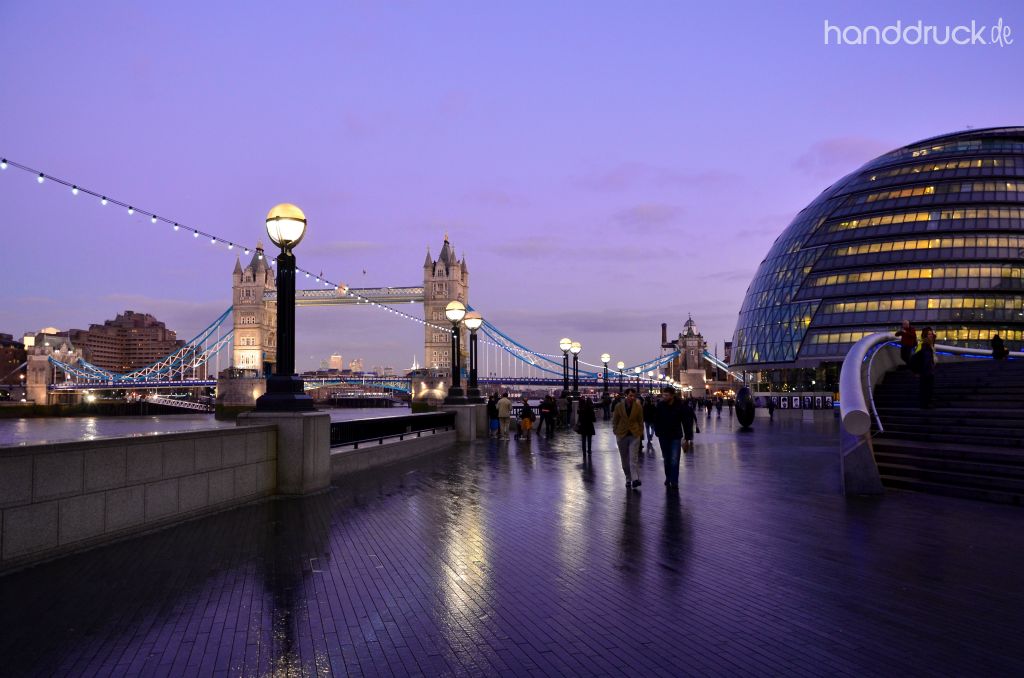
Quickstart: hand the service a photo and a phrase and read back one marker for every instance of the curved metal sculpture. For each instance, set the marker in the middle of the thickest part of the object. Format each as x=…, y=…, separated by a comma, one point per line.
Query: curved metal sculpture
x=745, y=408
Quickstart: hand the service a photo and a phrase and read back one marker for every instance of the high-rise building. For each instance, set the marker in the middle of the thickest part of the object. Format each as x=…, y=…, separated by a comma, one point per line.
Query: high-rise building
x=356, y=365
x=255, y=319
x=128, y=342
x=444, y=280
x=931, y=232
x=336, y=362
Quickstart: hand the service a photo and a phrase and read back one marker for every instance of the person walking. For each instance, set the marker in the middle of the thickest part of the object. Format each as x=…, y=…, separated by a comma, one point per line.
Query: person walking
x=585, y=419
x=650, y=415
x=526, y=418
x=547, y=415
x=492, y=416
x=504, y=408
x=718, y=407
x=926, y=360
x=628, y=427
x=731, y=404
x=908, y=341
x=689, y=424
x=771, y=409
x=606, y=406
x=999, y=351
x=668, y=425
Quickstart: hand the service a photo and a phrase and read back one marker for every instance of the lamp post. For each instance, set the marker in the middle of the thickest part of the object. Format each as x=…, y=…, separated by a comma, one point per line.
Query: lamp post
x=286, y=226
x=604, y=359
x=575, y=350
x=473, y=322
x=564, y=345
x=455, y=311
x=620, y=366
x=637, y=371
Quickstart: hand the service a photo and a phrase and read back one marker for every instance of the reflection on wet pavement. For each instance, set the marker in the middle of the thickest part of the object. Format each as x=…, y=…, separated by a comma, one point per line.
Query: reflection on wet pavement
x=507, y=558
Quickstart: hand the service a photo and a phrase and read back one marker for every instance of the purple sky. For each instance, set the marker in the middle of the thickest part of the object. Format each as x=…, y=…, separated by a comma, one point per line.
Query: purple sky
x=605, y=169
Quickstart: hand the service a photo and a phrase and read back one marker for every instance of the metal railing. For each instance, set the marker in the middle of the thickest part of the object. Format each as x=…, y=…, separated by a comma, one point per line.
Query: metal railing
x=376, y=430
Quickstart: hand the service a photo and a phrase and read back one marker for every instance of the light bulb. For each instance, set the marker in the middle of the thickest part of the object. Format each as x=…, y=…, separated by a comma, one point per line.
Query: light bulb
x=231, y=246
x=152, y=219
x=195, y=234
x=103, y=200
x=3, y=163
x=74, y=190
x=131, y=210
x=176, y=227
x=213, y=241
x=247, y=251
x=40, y=178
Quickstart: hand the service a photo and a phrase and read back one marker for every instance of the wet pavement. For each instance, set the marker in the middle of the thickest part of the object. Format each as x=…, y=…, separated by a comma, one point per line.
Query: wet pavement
x=518, y=559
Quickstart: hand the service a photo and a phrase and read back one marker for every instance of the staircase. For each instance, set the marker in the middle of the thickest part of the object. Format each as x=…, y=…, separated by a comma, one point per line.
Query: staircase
x=969, y=444
x=182, y=404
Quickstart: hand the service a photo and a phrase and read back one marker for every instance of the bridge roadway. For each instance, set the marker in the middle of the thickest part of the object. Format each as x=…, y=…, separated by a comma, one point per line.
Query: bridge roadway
x=517, y=559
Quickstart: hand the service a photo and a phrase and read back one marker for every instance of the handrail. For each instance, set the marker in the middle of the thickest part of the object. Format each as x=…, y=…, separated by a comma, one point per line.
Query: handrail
x=853, y=406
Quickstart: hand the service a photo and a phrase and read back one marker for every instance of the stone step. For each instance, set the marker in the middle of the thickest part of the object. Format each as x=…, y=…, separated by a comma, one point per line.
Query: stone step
x=940, y=437
x=1000, y=483
x=964, y=492
x=948, y=450
x=887, y=460
x=956, y=412
x=982, y=430
x=952, y=416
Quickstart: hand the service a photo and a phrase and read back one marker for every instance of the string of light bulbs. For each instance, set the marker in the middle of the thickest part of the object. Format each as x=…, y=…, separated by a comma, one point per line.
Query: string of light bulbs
x=154, y=218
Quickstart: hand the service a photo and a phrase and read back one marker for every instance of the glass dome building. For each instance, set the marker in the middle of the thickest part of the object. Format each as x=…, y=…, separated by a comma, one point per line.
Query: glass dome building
x=932, y=232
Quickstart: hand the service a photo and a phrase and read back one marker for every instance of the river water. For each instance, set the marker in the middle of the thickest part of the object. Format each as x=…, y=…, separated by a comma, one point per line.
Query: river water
x=61, y=429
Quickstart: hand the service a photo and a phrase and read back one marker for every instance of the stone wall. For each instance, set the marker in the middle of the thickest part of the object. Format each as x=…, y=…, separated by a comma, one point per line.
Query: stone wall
x=62, y=497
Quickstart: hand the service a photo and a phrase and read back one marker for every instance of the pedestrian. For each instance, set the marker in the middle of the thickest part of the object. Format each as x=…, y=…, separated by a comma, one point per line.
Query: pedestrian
x=563, y=409
x=526, y=417
x=504, y=407
x=708, y=406
x=999, y=351
x=731, y=403
x=925, y=360
x=771, y=408
x=492, y=416
x=908, y=341
x=585, y=419
x=669, y=415
x=689, y=424
x=718, y=407
x=606, y=406
x=546, y=409
x=628, y=427
x=650, y=416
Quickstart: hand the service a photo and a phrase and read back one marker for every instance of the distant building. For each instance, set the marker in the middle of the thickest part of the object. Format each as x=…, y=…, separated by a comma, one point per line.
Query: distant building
x=336, y=362
x=12, y=356
x=444, y=280
x=129, y=341
x=356, y=365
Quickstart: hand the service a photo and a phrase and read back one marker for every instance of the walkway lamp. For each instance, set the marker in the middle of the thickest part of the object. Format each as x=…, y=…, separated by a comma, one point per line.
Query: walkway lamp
x=604, y=359
x=473, y=321
x=455, y=312
x=564, y=345
x=575, y=350
x=637, y=371
x=620, y=366
x=286, y=226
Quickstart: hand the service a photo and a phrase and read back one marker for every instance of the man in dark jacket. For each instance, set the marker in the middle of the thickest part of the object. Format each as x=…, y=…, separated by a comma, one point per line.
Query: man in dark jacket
x=650, y=415
x=999, y=351
x=908, y=341
x=670, y=414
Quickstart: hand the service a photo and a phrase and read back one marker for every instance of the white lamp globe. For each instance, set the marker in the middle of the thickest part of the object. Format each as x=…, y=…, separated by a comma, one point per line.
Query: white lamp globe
x=455, y=311
x=473, y=321
x=605, y=358
x=576, y=348
x=565, y=344
x=286, y=225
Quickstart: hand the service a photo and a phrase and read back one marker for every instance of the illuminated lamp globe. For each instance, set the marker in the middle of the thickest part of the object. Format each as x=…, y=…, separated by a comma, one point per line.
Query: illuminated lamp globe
x=620, y=365
x=565, y=344
x=455, y=311
x=473, y=321
x=286, y=225
x=576, y=348
x=637, y=370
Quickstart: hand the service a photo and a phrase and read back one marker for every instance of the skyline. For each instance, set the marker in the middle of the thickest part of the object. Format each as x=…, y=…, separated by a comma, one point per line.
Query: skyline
x=603, y=171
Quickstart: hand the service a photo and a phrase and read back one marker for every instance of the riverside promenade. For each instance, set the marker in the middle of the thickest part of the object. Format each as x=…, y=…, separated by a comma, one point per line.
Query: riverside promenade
x=517, y=559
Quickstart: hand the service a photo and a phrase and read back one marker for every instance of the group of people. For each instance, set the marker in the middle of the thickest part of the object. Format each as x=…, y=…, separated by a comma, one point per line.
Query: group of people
x=922, y=359
x=672, y=420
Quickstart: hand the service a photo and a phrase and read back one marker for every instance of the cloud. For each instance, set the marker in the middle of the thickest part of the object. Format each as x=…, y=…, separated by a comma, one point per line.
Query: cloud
x=836, y=157
x=647, y=217
x=629, y=175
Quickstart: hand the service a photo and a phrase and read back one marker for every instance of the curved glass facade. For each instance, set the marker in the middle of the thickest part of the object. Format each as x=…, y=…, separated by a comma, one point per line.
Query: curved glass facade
x=932, y=232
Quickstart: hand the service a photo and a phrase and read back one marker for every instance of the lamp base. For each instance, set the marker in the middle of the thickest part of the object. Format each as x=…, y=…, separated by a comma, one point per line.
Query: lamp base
x=285, y=393
x=456, y=396
x=473, y=395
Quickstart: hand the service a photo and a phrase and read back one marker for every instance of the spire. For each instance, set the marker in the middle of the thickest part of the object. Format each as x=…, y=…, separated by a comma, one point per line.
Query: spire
x=465, y=268
x=447, y=255
x=429, y=262
x=238, y=266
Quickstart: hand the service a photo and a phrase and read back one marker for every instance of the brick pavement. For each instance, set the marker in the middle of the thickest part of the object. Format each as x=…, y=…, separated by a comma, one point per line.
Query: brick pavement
x=516, y=559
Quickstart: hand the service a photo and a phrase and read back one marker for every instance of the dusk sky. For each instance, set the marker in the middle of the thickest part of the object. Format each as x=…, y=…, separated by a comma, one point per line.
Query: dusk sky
x=605, y=166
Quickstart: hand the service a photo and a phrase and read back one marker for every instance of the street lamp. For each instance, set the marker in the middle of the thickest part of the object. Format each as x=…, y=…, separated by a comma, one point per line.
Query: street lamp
x=620, y=366
x=455, y=311
x=604, y=359
x=565, y=344
x=286, y=226
x=575, y=350
x=473, y=322
x=637, y=371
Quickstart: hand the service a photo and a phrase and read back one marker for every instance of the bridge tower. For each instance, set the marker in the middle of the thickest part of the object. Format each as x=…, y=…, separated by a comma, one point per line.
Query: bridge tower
x=255, y=320
x=445, y=279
